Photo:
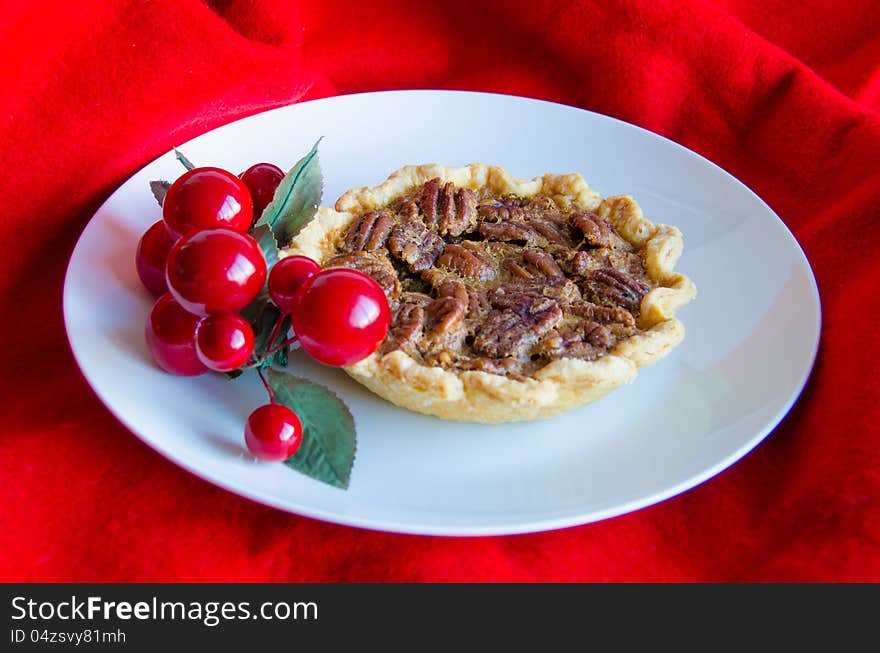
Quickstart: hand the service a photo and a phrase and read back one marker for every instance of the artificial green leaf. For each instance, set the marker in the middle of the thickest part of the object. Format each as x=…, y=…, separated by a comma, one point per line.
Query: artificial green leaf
x=263, y=324
x=266, y=240
x=186, y=163
x=263, y=316
x=254, y=311
x=159, y=188
x=296, y=199
x=280, y=356
x=329, y=439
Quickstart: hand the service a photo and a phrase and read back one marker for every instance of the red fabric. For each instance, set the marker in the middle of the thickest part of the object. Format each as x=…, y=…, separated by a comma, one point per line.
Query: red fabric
x=783, y=94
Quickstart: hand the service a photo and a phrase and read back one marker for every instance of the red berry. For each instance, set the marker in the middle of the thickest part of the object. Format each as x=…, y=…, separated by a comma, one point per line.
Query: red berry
x=340, y=316
x=224, y=342
x=215, y=271
x=262, y=179
x=151, y=256
x=287, y=276
x=204, y=198
x=171, y=337
x=273, y=432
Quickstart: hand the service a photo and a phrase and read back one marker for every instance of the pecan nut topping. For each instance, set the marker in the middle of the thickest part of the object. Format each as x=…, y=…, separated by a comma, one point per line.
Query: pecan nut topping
x=415, y=244
x=615, y=288
x=370, y=231
x=373, y=264
x=496, y=284
x=595, y=230
x=512, y=331
x=445, y=323
x=465, y=261
x=406, y=328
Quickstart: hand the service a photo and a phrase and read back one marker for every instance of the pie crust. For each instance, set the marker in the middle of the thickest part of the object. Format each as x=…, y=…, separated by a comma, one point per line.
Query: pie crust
x=563, y=384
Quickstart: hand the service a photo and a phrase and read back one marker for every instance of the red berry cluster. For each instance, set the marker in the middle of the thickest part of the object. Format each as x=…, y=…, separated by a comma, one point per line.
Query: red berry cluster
x=205, y=267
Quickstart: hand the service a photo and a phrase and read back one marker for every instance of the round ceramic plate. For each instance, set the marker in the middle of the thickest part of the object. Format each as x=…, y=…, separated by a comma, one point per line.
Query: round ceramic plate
x=752, y=331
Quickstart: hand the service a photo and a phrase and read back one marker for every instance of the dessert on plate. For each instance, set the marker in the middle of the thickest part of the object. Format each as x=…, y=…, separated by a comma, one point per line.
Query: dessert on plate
x=510, y=299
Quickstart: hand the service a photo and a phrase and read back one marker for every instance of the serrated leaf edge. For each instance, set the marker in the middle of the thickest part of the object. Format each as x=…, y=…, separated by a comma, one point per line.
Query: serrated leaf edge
x=342, y=483
x=276, y=207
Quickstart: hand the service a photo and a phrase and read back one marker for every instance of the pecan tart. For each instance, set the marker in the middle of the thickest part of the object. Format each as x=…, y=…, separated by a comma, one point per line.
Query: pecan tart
x=510, y=299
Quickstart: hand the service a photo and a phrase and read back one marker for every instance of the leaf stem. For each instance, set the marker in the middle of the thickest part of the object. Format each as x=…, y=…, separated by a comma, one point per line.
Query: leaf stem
x=266, y=385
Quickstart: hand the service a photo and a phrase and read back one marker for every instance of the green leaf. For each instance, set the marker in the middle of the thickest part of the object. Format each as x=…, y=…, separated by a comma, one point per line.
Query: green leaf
x=280, y=357
x=263, y=316
x=263, y=324
x=186, y=163
x=329, y=438
x=260, y=313
x=159, y=188
x=253, y=312
x=296, y=199
x=266, y=240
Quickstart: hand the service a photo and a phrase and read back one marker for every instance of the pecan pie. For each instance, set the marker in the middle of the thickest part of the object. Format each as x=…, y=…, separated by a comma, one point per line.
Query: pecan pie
x=510, y=299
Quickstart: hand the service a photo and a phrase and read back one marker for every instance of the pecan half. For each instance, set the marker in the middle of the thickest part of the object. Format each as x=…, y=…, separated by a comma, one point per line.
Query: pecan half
x=585, y=340
x=603, y=314
x=507, y=232
x=514, y=331
x=597, y=335
x=580, y=263
x=415, y=244
x=467, y=213
x=466, y=262
x=532, y=263
x=370, y=231
x=563, y=291
x=541, y=262
x=459, y=210
x=427, y=201
x=506, y=209
x=612, y=287
x=407, y=325
x=502, y=212
x=474, y=299
x=551, y=231
x=596, y=230
x=374, y=264
x=407, y=209
x=445, y=326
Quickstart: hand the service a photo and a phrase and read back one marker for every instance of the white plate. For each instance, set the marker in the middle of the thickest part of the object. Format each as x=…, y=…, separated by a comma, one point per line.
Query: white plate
x=752, y=332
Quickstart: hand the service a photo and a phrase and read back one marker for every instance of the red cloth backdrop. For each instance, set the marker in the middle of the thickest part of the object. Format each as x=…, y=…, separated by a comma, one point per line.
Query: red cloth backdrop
x=782, y=93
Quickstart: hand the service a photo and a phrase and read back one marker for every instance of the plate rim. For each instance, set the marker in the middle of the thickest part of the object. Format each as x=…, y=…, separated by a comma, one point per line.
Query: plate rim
x=495, y=529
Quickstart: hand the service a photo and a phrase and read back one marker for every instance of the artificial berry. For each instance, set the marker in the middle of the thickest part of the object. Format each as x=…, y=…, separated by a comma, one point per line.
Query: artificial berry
x=262, y=179
x=215, y=271
x=287, y=276
x=224, y=342
x=273, y=432
x=171, y=337
x=340, y=316
x=204, y=198
x=151, y=256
